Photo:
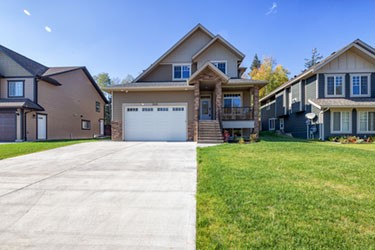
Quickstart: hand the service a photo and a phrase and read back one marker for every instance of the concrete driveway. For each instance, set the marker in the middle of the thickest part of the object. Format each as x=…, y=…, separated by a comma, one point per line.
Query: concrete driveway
x=101, y=195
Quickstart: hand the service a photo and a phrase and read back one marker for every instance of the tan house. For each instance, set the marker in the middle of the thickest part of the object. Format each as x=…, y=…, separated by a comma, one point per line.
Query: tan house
x=42, y=103
x=192, y=92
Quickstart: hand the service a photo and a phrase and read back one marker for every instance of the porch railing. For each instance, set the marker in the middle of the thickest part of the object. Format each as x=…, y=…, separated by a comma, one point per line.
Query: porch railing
x=237, y=113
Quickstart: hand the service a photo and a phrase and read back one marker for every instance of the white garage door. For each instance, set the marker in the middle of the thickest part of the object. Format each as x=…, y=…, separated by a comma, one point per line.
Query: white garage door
x=155, y=123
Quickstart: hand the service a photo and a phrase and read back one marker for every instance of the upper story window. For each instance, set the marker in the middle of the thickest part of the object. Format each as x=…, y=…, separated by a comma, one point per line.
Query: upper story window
x=16, y=88
x=181, y=71
x=359, y=85
x=335, y=85
x=97, y=106
x=222, y=65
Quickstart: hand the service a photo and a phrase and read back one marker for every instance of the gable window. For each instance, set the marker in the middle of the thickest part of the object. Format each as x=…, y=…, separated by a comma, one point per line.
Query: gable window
x=271, y=124
x=367, y=121
x=16, y=88
x=85, y=124
x=335, y=85
x=181, y=71
x=341, y=122
x=359, y=85
x=97, y=106
x=222, y=65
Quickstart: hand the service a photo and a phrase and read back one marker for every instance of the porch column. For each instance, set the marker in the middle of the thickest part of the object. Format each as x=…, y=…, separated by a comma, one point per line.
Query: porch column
x=256, y=111
x=196, y=110
x=218, y=92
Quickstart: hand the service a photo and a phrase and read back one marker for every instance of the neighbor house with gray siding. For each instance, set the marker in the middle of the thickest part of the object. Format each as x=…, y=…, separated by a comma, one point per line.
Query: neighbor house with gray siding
x=338, y=94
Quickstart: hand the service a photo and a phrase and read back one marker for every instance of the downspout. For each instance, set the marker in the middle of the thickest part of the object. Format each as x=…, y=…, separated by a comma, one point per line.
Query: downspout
x=322, y=124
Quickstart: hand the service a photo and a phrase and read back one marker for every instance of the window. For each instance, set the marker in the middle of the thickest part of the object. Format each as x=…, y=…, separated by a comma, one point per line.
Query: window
x=147, y=109
x=335, y=85
x=97, y=106
x=16, y=88
x=359, y=85
x=341, y=122
x=162, y=109
x=178, y=109
x=281, y=123
x=222, y=65
x=85, y=124
x=271, y=124
x=232, y=101
x=181, y=72
x=234, y=133
x=132, y=109
x=367, y=121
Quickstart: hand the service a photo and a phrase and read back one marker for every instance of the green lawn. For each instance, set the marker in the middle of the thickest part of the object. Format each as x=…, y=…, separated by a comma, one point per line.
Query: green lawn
x=16, y=149
x=286, y=194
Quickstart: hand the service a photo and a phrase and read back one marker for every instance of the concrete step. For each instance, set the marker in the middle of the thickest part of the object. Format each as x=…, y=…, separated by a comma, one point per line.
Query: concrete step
x=211, y=141
x=201, y=138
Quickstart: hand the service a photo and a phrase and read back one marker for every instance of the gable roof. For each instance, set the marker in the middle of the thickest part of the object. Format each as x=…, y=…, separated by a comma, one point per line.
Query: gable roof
x=210, y=66
x=216, y=39
x=190, y=33
x=58, y=70
x=359, y=44
x=31, y=66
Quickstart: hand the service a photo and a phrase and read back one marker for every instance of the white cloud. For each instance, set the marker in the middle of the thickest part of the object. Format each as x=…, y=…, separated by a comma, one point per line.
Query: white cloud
x=26, y=12
x=48, y=29
x=273, y=9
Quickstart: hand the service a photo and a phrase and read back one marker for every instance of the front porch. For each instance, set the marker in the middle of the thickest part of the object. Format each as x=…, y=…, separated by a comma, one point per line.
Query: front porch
x=232, y=103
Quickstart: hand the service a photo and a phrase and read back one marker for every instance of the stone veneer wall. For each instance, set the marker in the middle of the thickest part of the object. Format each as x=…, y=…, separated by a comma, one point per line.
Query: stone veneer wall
x=116, y=131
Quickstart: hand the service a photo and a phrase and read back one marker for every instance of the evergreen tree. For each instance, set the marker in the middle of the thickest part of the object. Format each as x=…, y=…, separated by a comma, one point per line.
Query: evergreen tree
x=256, y=63
x=315, y=58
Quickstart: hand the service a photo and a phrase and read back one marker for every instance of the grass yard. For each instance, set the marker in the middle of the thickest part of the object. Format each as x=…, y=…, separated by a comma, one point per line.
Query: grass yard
x=286, y=194
x=16, y=149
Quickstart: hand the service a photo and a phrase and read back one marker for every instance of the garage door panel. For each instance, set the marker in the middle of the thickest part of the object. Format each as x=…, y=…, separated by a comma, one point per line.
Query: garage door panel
x=7, y=126
x=155, y=123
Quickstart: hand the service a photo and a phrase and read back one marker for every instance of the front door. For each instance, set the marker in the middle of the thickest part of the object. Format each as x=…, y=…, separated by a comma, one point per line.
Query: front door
x=101, y=127
x=42, y=127
x=205, y=111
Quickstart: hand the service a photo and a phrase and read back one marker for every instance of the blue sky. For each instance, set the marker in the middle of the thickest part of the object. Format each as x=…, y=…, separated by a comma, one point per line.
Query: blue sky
x=124, y=37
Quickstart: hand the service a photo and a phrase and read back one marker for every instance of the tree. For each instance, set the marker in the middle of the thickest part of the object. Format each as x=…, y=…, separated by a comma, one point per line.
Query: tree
x=315, y=58
x=267, y=72
x=103, y=80
x=128, y=79
x=256, y=63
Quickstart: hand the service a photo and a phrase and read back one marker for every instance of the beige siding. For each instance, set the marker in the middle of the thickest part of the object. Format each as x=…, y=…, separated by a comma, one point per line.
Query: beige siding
x=152, y=97
x=8, y=67
x=349, y=61
x=67, y=105
x=161, y=73
x=29, y=87
x=218, y=52
x=188, y=48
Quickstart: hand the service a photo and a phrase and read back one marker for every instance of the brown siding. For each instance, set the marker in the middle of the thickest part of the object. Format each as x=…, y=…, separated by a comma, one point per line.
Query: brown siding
x=8, y=67
x=67, y=105
x=161, y=73
x=152, y=97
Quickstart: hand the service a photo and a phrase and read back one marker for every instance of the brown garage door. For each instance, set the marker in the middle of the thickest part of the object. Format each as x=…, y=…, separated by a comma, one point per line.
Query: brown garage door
x=7, y=126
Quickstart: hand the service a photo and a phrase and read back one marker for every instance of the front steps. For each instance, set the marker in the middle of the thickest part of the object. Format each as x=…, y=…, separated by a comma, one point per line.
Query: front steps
x=210, y=132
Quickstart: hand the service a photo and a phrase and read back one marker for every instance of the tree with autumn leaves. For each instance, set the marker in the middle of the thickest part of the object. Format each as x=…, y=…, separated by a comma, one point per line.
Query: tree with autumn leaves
x=267, y=71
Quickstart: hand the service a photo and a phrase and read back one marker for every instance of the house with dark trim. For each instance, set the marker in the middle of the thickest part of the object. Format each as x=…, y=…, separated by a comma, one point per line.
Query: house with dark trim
x=47, y=103
x=335, y=97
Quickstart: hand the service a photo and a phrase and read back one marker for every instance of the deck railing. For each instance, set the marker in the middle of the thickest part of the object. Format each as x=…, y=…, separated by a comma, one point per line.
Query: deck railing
x=237, y=113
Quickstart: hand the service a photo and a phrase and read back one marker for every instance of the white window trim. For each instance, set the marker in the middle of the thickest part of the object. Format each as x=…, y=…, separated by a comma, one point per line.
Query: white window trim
x=180, y=64
x=334, y=82
x=240, y=93
x=274, y=124
x=359, y=131
x=368, y=85
x=283, y=123
x=221, y=61
x=350, y=121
